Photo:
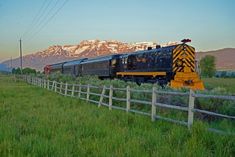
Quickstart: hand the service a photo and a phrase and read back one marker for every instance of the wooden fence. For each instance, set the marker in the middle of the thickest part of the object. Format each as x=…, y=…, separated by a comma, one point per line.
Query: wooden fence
x=84, y=92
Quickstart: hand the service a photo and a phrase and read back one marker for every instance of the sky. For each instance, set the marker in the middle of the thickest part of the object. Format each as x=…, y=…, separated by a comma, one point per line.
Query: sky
x=210, y=24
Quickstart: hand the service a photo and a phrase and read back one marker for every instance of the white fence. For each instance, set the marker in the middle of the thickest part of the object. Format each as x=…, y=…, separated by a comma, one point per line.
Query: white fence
x=84, y=92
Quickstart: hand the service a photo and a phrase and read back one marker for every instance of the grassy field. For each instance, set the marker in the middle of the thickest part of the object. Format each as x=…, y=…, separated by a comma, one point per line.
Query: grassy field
x=228, y=84
x=36, y=122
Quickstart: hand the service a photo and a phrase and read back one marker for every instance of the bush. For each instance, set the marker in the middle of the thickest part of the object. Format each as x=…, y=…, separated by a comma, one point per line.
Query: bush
x=207, y=65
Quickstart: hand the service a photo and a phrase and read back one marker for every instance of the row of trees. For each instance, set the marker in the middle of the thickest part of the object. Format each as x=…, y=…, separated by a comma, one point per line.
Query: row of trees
x=24, y=71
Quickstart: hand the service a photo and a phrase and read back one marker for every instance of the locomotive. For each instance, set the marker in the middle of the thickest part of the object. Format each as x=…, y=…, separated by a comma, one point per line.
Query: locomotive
x=174, y=64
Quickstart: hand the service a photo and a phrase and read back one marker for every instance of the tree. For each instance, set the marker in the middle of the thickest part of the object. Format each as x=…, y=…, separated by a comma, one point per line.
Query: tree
x=207, y=65
x=28, y=71
x=13, y=71
x=16, y=71
x=24, y=71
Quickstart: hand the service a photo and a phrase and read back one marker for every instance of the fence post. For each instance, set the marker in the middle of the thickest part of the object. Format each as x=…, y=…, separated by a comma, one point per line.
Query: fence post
x=14, y=77
x=72, y=94
x=102, y=96
x=55, y=86
x=66, y=89
x=40, y=82
x=154, y=97
x=61, y=87
x=88, y=92
x=45, y=83
x=48, y=84
x=36, y=81
x=190, y=108
x=79, y=90
x=128, y=98
x=110, y=97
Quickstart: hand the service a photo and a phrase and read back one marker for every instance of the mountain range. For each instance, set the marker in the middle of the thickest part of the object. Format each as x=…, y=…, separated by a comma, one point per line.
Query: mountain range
x=93, y=48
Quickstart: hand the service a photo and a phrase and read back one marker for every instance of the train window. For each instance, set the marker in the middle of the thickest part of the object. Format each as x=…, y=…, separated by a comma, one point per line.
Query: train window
x=139, y=57
x=131, y=62
x=124, y=60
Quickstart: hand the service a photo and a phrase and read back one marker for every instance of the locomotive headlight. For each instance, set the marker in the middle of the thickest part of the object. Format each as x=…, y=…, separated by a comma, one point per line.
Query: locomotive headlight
x=114, y=63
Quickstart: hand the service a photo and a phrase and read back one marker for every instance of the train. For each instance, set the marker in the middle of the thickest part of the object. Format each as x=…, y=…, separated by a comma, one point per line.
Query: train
x=174, y=65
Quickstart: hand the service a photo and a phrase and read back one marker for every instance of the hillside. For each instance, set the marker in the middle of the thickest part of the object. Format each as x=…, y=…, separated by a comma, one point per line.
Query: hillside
x=224, y=58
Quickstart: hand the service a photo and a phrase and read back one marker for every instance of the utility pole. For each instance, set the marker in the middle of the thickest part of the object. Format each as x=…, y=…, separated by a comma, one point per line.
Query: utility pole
x=21, y=64
x=11, y=62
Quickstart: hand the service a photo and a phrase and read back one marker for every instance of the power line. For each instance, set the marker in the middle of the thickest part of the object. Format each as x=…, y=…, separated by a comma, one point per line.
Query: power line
x=49, y=19
x=35, y=18
x=49, y=12
x=40, y=18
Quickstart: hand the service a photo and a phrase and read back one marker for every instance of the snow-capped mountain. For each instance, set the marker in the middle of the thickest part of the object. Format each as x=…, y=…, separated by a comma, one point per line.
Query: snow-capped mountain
x=93, y=48
x=85, y=49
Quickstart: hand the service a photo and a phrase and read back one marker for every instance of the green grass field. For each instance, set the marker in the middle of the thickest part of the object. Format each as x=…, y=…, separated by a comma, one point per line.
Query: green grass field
x=37, y=122
x=228, y=84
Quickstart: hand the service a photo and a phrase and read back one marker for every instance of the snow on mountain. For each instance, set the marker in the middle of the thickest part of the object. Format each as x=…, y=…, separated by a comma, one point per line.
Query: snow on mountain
x=86, y=48
x=170, y=43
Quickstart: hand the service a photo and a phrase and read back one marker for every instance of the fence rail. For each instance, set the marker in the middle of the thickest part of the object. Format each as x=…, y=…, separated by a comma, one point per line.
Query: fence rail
x=84, y=92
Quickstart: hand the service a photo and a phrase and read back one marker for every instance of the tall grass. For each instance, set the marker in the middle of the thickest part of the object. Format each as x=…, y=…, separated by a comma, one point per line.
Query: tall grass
x=36, y=122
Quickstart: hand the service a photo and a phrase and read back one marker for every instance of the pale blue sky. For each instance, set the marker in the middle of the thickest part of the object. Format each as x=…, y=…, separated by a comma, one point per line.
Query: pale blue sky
x=209, y=23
